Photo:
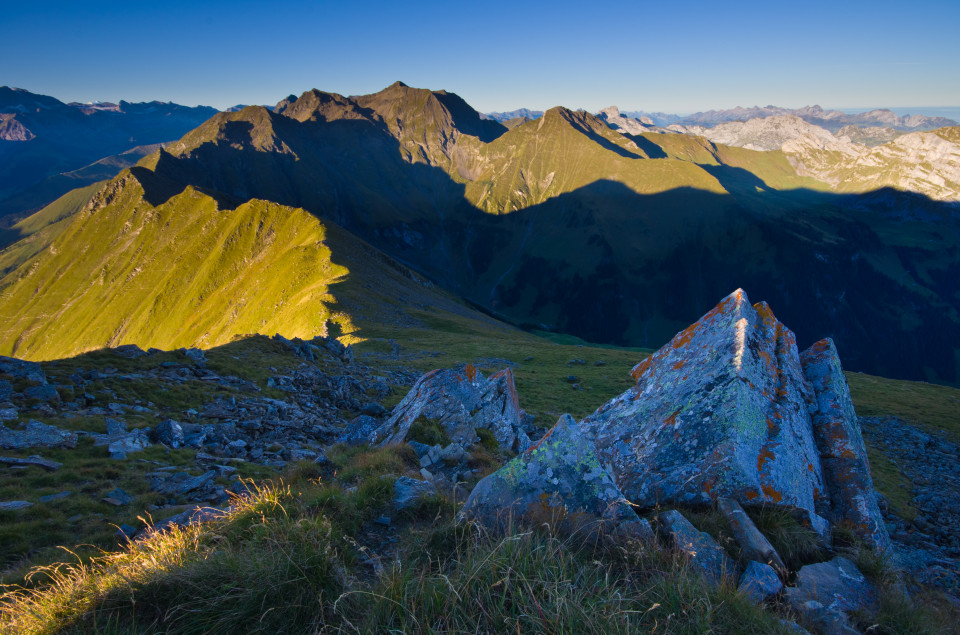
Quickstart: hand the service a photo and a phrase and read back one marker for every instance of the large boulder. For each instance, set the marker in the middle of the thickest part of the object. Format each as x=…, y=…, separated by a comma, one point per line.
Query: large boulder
x=827, y=592
x=843, y=456
x=559, y=480
x=460, y=400
x=36, y=435
x=721, y=410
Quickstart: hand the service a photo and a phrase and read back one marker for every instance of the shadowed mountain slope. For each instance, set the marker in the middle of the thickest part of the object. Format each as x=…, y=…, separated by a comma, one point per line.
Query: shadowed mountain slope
x=564, y=224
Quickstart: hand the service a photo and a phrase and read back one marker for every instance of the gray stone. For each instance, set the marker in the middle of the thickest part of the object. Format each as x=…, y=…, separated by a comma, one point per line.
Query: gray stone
x=46, y=392
x=132, y=442
x=359, y=430
x=843, y=455
x=38, y=461
x=182, y=483
x=191, y=516
x=8, y=412
x=169, y=433
x=125, y=532
x=461, y=400
x=559, y=480
x=721, y=410
x=701, y=549
x=454, y=454
x=374, y=409
x=826, y=592
x=754, y=544
x=635, y=530
x=114, y=427
x=129, y=351
x=36, y=435
x=118, y=497
x=7, y=506
x=195, y=355
x=14, y=367
x=759, y=582
x=407, y=491
x=6, y=389
x=49, y=498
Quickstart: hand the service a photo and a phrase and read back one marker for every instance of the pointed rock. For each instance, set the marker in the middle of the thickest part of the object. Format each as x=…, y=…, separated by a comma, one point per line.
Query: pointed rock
x=460, y=400
x=721, y=410
x=559, y=480
x=843, y=455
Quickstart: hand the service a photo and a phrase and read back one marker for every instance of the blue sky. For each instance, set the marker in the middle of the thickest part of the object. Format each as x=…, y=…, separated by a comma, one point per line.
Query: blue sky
x=497, y=55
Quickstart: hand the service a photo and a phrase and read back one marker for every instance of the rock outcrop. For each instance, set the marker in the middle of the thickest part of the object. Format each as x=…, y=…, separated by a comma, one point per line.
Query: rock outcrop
x=559, y=480
x=729, y=408
x=721, y=410
x=461, y=401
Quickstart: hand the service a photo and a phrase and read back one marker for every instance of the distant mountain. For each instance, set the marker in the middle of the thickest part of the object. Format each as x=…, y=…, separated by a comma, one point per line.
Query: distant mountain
x=513, y=114
x=559, y=223
x=832, y=120
x=924, y=162
x=762, y=133
x=41, y=136
x=661, y=119
x=631, y=125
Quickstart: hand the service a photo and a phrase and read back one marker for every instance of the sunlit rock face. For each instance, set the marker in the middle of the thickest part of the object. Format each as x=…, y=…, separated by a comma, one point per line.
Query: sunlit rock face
x=721, y=410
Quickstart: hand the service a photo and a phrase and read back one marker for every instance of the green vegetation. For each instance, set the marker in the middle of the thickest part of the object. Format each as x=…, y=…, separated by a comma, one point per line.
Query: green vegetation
x=930, y=406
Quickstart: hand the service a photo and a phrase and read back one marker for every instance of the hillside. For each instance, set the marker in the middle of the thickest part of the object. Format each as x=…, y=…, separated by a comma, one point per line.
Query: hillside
x=563, y=224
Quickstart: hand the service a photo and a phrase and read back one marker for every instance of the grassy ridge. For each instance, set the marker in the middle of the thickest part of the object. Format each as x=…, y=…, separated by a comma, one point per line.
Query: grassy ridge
x=179, y=274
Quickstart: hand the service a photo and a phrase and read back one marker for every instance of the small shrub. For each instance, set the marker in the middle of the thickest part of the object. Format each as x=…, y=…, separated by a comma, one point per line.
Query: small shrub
x=428, y=431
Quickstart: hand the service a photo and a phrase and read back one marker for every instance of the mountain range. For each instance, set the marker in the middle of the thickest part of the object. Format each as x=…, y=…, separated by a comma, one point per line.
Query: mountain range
x=252, y=221
x=41, y=137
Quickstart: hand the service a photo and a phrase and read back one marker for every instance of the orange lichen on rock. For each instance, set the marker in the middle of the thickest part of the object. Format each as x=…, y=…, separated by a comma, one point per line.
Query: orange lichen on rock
x=771, y=493
x=471, y=372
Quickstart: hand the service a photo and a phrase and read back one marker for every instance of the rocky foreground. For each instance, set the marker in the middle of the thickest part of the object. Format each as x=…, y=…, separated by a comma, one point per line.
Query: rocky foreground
x=729, y=415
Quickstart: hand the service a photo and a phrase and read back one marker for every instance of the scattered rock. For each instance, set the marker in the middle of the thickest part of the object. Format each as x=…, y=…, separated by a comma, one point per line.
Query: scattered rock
x=754, y=544
x=118, y=497
x=407, y=491
x=169, y=433
x=7, y=506
x=558, y=480
x=115, y=428
x=130, y=351
x=759, y=582
x=374, y=409
x=195, y=355
x=49, y=498
x=39, y=461
x=125, y=532
x=36, y=435
x=45, y=392
x=6, y=389
x=191, y=516
x=827, y=592
x=132, y=442
x=359, y=430
x=702, y=550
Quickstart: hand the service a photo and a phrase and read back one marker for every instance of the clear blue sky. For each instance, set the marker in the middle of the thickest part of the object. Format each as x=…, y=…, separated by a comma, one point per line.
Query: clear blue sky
x=497, y=55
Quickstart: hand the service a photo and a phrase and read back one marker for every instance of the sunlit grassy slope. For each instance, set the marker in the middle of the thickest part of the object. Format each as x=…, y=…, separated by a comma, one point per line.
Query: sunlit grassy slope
x=188, y=273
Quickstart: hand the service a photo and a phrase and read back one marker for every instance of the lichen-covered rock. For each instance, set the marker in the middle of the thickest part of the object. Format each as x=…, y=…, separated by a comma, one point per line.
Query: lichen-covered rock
x=759, y=582
x=702, y=550
x=44, y=392
x=407, y=491
x=754, y=544
x=36, y=435
x=843, y=456
x=559, y=480
x=721, y=410
x=460, y=400
x=132, y=442
x=359, y=430
x=826, y=592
